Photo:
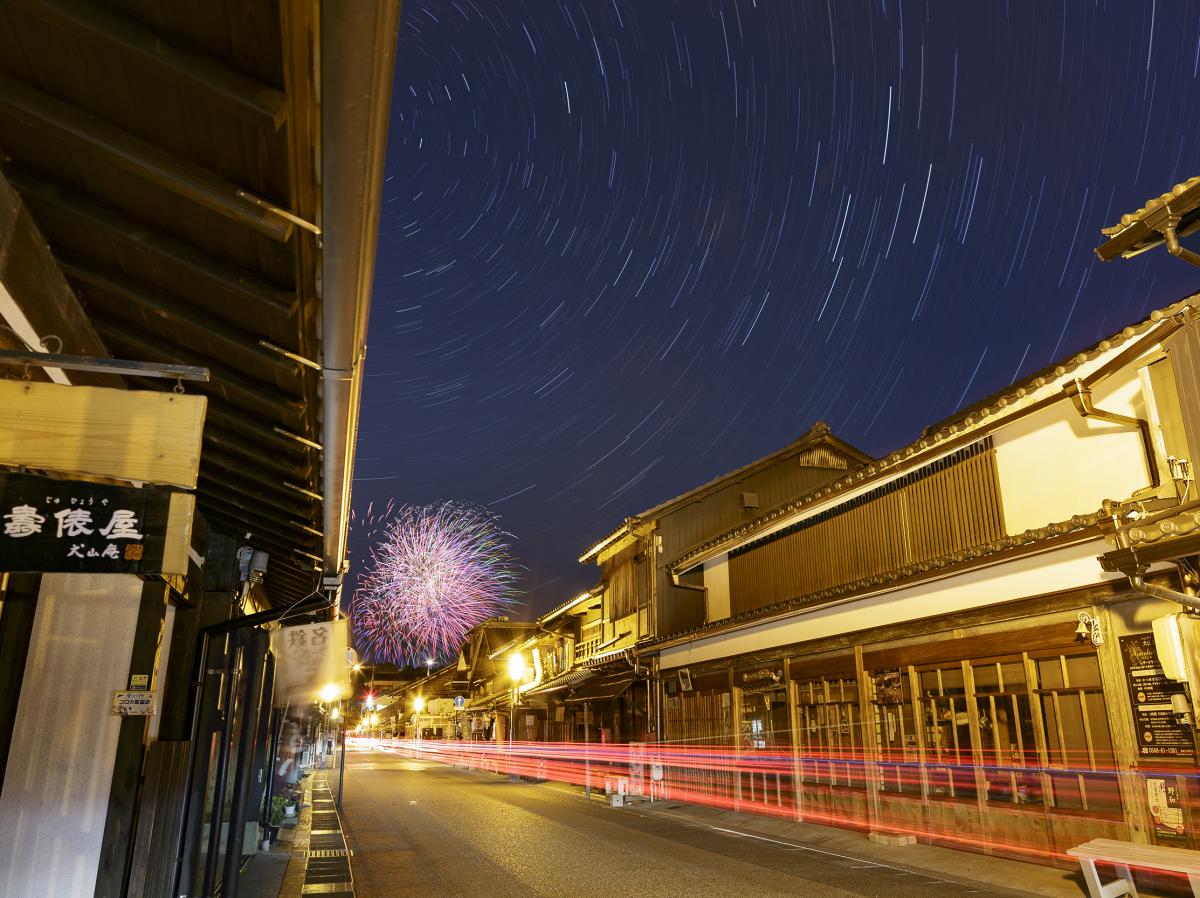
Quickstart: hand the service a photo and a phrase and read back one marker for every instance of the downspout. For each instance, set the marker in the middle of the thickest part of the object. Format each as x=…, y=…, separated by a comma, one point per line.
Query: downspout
x=1172, y=241
x=356, y=87
x=1081, y=395
x=1136, y=580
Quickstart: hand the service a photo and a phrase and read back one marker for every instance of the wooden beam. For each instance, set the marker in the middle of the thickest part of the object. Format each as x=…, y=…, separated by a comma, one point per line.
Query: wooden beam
x=292, y=533
x=250, y=393
x=201, y=270
x=38, y=111
x=233, y=442
x=175, y=310
x=228, y=471
x=243, y=95
x=32, y=280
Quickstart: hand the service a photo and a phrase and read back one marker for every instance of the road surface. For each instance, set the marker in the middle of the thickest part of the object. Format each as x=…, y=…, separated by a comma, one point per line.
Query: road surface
x=420, y=829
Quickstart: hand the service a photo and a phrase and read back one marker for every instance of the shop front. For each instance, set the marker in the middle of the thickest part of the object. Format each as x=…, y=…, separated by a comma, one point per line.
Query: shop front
x=1019, y=733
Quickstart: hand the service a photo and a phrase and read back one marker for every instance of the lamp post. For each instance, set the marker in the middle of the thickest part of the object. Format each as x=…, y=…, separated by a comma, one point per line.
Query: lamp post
x=516, y=672
x=418, y=707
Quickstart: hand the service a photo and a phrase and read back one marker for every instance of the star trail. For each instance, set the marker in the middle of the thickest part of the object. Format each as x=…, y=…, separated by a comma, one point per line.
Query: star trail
x=629, y=245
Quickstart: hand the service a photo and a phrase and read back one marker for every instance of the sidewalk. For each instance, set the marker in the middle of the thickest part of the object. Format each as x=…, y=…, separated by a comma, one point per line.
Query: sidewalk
x=952, y=864
x=310, y=858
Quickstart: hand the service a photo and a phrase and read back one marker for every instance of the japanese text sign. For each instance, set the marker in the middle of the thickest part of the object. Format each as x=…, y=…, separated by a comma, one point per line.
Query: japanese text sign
x=75, y=527
x=311, y=660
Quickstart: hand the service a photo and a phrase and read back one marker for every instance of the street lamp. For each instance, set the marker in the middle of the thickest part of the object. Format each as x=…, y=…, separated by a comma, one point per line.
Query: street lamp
x=516, y=672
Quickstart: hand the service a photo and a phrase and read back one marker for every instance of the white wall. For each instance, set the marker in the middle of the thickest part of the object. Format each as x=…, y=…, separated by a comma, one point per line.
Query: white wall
x=1030, y=576
x=716, y=581
x=1054, y=464
x=56, y=786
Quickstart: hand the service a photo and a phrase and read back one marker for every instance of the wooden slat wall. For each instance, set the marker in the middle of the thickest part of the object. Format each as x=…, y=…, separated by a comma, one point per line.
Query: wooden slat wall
x=700, y=721
x=157, y=838
x=947, y=510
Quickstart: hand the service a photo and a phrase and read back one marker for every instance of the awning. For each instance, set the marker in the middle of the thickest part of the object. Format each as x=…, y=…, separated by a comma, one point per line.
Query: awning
x=603, y=689
x=484, y=702
x=562, y=681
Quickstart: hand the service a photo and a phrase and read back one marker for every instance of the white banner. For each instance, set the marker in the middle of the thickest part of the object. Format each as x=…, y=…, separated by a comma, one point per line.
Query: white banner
x=310, y=663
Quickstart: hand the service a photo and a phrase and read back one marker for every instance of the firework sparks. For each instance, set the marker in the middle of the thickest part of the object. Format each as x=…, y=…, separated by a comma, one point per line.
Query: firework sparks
x=435, y=572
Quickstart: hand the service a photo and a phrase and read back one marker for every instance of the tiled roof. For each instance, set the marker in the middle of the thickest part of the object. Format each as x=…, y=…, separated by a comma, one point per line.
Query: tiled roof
x=1152, y=205
x=952, y=428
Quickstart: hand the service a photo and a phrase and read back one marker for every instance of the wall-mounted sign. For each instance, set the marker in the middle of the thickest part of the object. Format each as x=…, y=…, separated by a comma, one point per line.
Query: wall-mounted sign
x=70, y=526
x=133, y=704
x=143, y=435
x=139, y=682
x=1159, y=735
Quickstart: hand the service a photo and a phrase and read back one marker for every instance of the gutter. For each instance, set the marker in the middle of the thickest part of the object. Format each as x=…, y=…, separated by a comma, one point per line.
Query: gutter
x=358, y=49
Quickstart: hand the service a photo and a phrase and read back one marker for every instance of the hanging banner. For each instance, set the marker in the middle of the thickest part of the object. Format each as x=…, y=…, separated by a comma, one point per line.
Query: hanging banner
x=310, y=663
x=142, y=435
x=70, y=526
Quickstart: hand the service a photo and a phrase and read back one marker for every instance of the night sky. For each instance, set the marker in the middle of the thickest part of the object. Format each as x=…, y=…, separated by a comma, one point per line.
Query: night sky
x=629, y=245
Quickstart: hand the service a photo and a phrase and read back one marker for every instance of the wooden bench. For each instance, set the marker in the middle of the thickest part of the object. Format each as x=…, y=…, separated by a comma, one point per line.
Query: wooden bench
x=1124, y=855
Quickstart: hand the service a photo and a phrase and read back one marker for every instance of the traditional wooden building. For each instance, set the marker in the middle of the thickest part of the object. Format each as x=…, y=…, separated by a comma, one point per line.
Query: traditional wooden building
x=945, y=641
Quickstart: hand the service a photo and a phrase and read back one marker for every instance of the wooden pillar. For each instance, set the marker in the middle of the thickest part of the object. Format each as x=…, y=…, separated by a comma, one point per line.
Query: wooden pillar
x=1134, y=801
x=16, y=629
x=113, y=872
x=793, y=700
x=870, y=741
x=735, y=729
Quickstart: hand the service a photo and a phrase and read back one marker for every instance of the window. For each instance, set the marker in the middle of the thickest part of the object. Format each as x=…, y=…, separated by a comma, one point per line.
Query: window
x=830, y=733
x=896, y=731
x=947, y=720
x=1081, y=766
x=1006, y=732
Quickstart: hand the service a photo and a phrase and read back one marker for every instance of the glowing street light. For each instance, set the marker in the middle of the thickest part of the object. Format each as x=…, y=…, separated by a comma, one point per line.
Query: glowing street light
x=516, y=667
x=329, y=692
x=419, y=704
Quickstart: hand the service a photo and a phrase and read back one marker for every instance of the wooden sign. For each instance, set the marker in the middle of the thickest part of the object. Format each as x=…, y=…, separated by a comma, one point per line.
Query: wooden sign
x=70, y=526
x=140, y=435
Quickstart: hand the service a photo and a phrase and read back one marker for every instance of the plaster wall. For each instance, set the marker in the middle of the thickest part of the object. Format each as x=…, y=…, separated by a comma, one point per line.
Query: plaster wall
x=56, y=786
x=1047, y=572
x=716, y=581
x=1054, y=463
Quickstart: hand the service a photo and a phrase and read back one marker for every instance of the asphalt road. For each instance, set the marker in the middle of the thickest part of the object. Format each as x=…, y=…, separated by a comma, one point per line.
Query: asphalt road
x=425, y=830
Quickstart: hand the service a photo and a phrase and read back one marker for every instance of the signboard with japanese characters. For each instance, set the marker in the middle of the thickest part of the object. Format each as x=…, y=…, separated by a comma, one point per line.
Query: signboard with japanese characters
x=71, y=526
x=1161, y=737
x=133, y=703
x=310, y=663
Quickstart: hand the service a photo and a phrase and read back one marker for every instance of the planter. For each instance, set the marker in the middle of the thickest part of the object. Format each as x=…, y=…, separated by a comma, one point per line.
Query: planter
x=289, y=810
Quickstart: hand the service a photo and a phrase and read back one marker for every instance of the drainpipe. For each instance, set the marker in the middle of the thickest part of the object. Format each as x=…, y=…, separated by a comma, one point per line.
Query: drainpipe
x=1191, y=602
x=356, y=82
x=1172, y=241
x=1081, y=395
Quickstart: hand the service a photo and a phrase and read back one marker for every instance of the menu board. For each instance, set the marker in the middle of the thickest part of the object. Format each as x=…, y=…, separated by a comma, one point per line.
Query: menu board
x=1159, y=736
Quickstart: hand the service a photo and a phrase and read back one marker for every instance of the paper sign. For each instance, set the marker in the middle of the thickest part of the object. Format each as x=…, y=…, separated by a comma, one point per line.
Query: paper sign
x=139, y=682
x=133, y=703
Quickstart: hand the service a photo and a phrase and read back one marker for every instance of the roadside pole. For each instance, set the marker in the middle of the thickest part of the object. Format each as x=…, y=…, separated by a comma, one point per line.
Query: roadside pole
x=587, y=765
x=342, y=765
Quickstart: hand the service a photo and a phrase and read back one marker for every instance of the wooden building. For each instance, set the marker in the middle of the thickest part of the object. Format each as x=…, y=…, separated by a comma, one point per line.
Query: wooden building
x=929, y=643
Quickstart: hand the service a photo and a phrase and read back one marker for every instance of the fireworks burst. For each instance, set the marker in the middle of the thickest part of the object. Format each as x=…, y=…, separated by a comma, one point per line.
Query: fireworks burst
x=435, y=573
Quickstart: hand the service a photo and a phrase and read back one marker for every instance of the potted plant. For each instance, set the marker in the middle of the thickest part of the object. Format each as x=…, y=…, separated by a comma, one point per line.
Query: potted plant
x=278, y=803
x=289, y=807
